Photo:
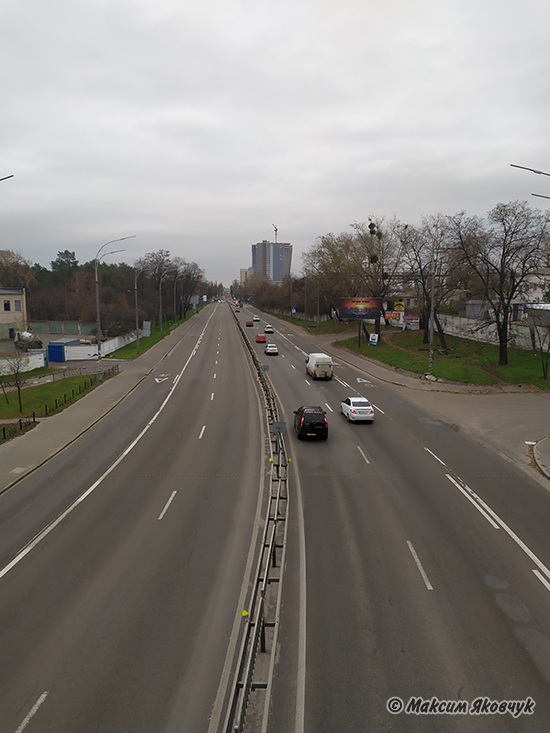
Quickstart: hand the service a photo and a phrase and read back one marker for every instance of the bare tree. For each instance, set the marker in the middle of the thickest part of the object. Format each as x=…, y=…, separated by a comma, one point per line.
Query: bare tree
x=363, y=262
x=191, y=277
x=431, y=257
x=378, y=256
x=17, y=377
x=502, y=255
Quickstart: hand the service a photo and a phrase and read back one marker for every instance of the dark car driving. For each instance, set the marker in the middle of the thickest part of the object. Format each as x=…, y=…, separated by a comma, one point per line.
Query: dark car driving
x=310, y=421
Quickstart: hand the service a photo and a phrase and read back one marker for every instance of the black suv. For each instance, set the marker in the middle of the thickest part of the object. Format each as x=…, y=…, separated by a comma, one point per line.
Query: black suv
x=310, y=422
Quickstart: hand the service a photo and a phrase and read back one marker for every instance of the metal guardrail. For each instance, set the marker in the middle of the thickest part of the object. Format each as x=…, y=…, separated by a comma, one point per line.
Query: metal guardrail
x=248, y=709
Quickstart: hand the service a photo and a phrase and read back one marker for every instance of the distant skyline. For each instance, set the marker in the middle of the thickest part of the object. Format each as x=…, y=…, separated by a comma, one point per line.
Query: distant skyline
x=196, y=126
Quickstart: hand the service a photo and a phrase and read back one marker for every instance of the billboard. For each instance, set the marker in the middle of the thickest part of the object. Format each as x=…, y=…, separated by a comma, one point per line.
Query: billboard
x=352, y=309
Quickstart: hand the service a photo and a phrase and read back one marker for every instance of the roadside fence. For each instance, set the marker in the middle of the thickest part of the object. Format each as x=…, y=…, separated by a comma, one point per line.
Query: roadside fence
x=10, y=429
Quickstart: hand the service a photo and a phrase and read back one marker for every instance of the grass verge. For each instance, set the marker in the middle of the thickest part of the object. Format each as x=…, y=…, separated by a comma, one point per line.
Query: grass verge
x=469, y=362
x=145, y=343
x=49, y=398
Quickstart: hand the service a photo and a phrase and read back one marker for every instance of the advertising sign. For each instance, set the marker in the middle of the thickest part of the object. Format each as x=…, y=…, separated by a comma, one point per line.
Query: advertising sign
x=373, y=339
x=352, y=309
x=394, y=317
x=411, y=323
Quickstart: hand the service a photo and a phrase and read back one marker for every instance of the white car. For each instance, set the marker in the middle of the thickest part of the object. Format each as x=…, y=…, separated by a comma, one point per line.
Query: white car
x=271, y=349
x=255, y=318
x=268, y=328
x=357, y=409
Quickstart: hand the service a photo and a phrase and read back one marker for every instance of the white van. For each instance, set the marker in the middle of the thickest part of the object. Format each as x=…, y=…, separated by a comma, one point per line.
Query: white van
x=319, y=366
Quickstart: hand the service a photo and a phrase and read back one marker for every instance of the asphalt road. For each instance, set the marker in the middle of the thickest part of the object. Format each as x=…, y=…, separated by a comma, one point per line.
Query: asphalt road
x=417, y=565
x=427, y=565
x=119, y=618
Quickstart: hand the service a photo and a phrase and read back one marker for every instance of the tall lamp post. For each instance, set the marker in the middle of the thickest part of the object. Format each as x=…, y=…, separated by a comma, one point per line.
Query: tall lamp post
x=136, y=273
x=164, y=274
x=98, y=258
x=432, y=318
x=178, y=277
x=533, y=170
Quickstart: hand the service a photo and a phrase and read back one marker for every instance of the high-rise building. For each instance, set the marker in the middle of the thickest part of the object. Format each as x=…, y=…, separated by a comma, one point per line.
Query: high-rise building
x=273, y=259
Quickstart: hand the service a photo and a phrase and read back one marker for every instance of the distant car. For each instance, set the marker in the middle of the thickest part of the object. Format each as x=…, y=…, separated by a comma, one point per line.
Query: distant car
x=271, y=349
x=261, y=338
x=310, y=422
x=250, y=323
x=357, y=409
x=256, y=318
x=237, y=310
x=268, y=328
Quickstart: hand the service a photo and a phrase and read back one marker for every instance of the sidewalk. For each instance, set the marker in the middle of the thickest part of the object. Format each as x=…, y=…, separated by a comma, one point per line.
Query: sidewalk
x=25, y=453
x=517, y=409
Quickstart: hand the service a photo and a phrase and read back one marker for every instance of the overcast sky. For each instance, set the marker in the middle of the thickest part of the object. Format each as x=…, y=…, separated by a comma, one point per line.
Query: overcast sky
x=198, y=124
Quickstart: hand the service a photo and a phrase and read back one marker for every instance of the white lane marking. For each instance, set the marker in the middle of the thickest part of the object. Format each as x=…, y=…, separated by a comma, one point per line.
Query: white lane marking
x=436, y=458
x=542, y=578
x=329, y=407
x=429, y=586
x=364, y=456
x=377, y=408
x=214, y=375
x=32, y=712
x=292, y=365
x=170, y=500
x=202, y=431
x=211, y=396
x=50, y=527
x=305, y=380
x=216, y=361
x=471, y=499
x=344, y=384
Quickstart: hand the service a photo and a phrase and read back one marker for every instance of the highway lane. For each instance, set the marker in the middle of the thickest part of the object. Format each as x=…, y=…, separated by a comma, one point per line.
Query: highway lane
x=411, y=590
x=120, y=617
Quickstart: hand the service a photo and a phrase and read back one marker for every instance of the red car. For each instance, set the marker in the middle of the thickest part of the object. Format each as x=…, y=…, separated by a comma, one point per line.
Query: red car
x=261, y=339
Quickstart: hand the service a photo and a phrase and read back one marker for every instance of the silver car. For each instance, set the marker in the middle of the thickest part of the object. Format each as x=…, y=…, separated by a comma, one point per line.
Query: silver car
x=357, y=409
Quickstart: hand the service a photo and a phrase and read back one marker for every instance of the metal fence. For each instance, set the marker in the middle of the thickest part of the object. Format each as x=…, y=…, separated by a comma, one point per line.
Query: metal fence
x=248, y=709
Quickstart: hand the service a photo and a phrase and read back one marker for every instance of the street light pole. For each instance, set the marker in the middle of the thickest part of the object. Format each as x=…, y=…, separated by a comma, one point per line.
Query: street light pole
x=178, y=277
x=432, y=318
x=136, y=273
x=164, y=274
x=533, y=170
x=98, y=318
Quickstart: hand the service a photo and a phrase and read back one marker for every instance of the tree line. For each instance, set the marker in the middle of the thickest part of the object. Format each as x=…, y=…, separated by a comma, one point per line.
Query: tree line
x=66, y=290
x=446, y=258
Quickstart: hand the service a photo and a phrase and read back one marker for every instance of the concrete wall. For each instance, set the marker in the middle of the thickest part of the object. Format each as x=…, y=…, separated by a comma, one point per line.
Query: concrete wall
x=32, y=361
x=89, y=351
x=479, y=330
x=72, y=353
